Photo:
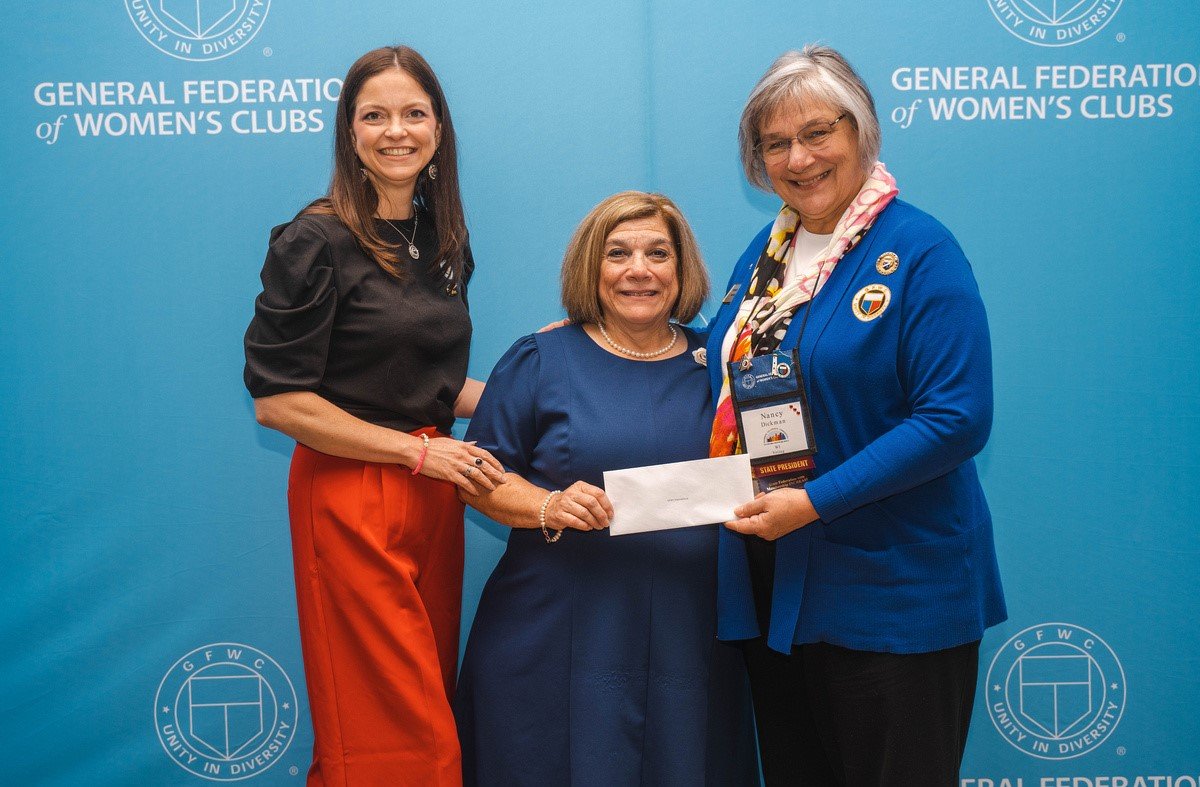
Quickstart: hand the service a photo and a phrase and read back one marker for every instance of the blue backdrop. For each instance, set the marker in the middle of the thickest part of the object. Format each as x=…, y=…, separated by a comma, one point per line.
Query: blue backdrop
x=150, y=144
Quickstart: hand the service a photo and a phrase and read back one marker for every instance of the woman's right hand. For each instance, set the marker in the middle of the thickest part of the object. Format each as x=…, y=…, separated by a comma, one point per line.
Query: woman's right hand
x=466, y=465
x=580, y=506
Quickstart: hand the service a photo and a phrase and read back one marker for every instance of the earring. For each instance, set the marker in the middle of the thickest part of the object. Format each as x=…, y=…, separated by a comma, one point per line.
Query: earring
x=362, y=171
x=432, y=171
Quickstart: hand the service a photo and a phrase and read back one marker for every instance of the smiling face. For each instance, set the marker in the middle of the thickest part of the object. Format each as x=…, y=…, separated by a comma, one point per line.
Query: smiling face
x=639, y=283
x=821, y=184
x=395, y=135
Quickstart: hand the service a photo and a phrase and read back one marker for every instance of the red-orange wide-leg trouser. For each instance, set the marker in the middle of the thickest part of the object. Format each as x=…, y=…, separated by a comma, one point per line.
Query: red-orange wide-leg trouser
x=379, y=560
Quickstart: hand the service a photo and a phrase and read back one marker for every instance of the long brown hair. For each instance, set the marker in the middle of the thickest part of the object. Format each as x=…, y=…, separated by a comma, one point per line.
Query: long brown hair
x=353, y=198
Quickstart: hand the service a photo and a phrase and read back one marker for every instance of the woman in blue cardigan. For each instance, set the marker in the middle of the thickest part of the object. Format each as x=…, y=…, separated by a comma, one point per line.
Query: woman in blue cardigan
x=862, y=585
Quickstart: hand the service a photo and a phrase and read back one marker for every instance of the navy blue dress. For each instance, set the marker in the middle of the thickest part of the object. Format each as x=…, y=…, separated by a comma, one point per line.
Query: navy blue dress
x=594, y=660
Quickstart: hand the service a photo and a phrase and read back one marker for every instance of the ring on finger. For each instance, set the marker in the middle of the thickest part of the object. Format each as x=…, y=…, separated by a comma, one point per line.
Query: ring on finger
x=479, y=461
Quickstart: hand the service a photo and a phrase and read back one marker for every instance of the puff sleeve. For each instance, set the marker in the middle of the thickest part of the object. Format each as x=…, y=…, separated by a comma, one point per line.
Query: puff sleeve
x=505, y=421
x=287, y=342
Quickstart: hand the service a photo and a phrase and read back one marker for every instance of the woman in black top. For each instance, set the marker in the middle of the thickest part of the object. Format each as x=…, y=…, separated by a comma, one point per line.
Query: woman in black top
x=358, y=350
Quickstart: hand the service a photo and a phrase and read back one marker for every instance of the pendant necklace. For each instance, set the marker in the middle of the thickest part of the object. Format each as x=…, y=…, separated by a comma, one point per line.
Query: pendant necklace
x=413, y=251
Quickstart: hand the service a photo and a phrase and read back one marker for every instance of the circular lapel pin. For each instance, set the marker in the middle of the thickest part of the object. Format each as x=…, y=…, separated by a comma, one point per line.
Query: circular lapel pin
x=871, y=302
x=887, y=263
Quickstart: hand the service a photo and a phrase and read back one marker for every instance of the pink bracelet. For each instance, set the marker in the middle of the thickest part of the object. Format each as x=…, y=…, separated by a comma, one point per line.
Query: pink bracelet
x=421, y=459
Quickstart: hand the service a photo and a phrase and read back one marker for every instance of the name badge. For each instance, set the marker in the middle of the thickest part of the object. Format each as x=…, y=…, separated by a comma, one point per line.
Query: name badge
x=773, y=419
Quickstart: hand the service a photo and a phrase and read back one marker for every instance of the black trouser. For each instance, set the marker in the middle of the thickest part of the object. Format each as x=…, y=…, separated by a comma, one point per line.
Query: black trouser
x=828, y=715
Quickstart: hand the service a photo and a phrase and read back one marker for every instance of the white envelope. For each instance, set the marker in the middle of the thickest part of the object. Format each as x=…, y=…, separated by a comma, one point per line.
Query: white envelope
x=679, y=494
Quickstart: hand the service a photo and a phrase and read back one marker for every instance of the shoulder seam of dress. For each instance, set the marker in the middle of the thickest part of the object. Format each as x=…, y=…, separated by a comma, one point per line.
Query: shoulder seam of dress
x=311, y=220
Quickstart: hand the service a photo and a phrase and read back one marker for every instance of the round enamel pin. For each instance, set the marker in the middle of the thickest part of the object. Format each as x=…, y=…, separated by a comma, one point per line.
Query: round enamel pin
x=871, y=301
x=887, y=263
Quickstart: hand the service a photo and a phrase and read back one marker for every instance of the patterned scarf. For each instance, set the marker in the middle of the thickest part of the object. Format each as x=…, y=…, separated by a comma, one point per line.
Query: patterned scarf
x=762, y=329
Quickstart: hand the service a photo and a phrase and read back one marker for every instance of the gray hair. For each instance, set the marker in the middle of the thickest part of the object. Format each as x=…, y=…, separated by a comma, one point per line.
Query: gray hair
x=814, y=74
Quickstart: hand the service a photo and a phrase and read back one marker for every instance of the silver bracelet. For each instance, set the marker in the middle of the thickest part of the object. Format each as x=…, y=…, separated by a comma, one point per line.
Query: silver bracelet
x=550, y=539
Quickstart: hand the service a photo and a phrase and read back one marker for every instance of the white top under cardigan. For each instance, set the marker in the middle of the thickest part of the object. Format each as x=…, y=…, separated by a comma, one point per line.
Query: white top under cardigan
x=807, y=247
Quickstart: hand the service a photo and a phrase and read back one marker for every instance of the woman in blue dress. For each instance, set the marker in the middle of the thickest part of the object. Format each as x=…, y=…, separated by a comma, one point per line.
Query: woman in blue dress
x=593, y=659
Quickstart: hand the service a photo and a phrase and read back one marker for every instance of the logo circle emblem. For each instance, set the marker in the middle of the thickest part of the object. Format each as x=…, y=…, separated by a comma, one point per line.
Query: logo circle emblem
x=887, y=264
x=748, y=381
x=198, y=29
x=225, y=712
x=1050, y=23
x=871, y=302
x=1055, y=691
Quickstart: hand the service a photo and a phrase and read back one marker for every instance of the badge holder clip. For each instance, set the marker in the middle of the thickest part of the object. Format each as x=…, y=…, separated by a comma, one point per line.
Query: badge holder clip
x=773, y=420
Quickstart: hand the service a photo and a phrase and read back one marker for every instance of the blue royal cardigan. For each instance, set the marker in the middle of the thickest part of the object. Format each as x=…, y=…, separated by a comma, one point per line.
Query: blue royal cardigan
x=902, y=558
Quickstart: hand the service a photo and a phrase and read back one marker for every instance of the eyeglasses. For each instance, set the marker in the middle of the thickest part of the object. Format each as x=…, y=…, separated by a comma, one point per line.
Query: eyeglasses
x=814, y=136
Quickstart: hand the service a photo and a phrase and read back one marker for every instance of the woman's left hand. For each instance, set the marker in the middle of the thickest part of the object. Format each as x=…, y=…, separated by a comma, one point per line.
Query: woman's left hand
x=774, y=514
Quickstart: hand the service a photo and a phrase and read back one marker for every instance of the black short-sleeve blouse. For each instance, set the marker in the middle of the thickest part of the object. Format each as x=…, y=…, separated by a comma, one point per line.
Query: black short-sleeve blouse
x=331, y=321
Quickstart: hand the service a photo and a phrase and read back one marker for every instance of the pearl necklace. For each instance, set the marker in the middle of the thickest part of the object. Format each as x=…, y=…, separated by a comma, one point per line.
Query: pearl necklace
x=635, y=353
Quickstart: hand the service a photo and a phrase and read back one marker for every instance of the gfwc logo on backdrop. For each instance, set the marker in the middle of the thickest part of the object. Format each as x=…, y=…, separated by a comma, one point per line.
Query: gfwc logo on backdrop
x=1055, y=691
x=142, y=104
x=198, y=29
x=1054, y=22
x=225, y=712
x=1032, y=88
